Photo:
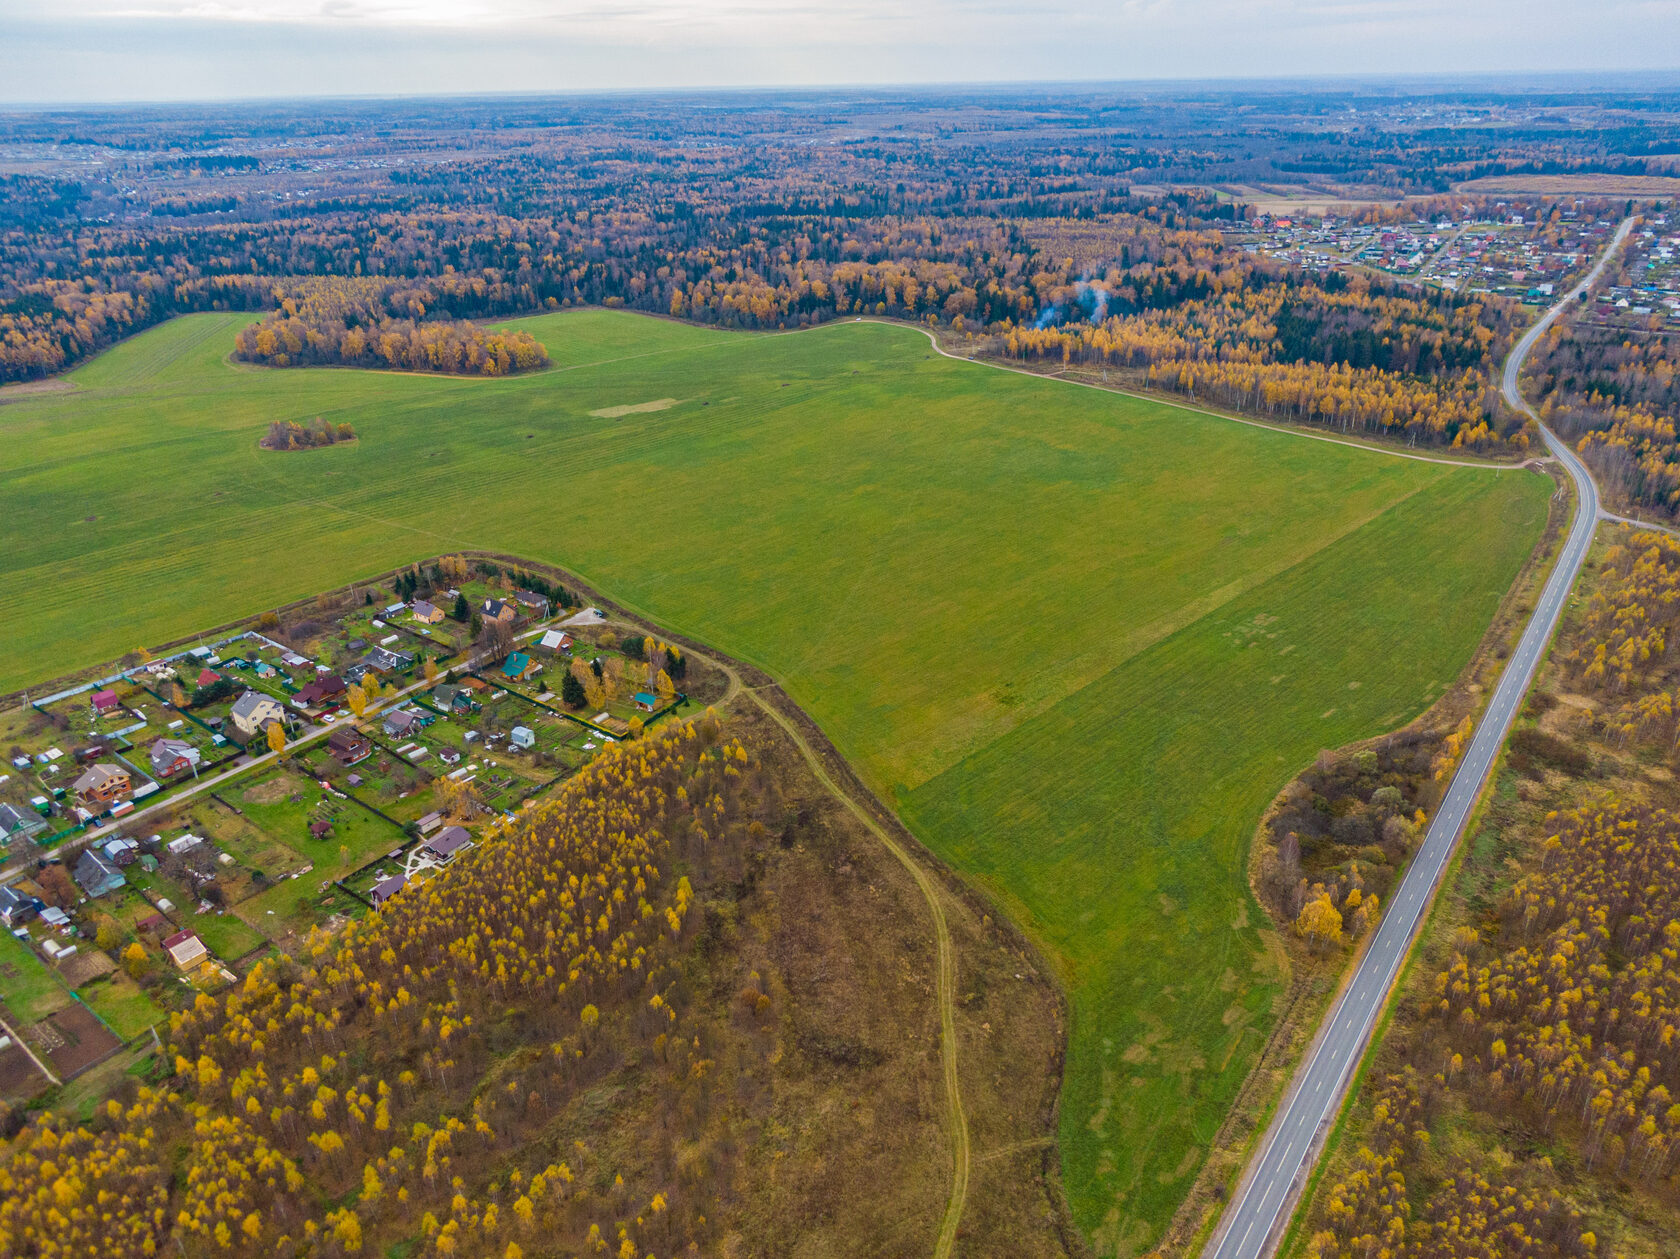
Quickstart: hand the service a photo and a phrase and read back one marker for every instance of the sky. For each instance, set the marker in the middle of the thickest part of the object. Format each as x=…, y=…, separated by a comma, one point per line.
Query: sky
x=145, y=50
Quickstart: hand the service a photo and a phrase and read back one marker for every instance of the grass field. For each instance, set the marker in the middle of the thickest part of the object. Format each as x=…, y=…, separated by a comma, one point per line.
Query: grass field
x=1078, y=639
x=28, y=988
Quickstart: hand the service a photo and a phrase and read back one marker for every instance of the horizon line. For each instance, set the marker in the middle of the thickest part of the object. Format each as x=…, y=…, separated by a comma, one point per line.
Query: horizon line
x=1668, y=77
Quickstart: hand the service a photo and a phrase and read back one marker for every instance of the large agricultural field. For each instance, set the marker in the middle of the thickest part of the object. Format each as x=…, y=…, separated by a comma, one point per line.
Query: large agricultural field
x=1078, y=639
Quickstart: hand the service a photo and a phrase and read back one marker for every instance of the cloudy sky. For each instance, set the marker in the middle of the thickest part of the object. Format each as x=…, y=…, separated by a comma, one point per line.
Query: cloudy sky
x=115, y=50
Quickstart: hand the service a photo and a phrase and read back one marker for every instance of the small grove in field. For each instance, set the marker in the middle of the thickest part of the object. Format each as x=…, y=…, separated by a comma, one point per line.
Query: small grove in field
x=1527, y=1100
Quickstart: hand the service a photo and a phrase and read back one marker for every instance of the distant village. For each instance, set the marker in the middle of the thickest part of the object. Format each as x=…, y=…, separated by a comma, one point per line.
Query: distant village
x=1501, y=250
x=167, y=823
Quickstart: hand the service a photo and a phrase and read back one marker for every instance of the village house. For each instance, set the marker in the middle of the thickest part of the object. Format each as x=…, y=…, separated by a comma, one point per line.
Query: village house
x=443, y=846
x=555, y=641
x=102, y=785
x=647, y=701
x=427, y=613
x=384, y=660
x=17, y=908
x=531, y=603
x=522, y=737
x=186, y=950
x=519, y=666
x=253, y=713
x=451, y=698
x=172, y=756
x=401, y=723
x=104, y=702
x=323, y=691
x=121, y=851
x=16, y=823
x=97, y=874
x=499, y=610
x=348, y=746
x=385, y=889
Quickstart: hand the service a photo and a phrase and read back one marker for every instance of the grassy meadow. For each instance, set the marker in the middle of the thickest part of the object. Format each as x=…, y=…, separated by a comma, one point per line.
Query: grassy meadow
x=1078, y=639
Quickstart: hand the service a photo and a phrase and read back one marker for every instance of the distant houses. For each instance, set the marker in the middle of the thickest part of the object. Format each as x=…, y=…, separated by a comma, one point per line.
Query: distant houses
x=17, y=908
x=402, y=722
x=450, y=698
x=121, y=851
x=383, y=660
x=186, y=950
x=531, y=603
x=555, y=641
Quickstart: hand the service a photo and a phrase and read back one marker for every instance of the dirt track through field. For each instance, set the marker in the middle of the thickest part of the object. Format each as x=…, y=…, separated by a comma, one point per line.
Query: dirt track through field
x=946, y=964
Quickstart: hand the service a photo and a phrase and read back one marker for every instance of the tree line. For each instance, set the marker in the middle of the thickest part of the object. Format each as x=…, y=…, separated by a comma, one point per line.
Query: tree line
x=355, y=323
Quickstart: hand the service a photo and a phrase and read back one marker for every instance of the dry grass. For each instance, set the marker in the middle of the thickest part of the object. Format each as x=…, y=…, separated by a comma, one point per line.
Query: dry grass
x=1586, y=184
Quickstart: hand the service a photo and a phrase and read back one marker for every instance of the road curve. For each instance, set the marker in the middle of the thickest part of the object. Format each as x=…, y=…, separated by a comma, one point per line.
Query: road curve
x=1289, y=1148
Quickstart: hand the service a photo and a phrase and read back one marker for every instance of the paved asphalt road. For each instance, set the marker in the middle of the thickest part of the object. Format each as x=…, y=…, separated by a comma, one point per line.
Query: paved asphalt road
x=1286, y=1154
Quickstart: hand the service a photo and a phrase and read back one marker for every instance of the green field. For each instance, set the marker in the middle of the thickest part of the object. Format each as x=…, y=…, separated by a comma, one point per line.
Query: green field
x=1079, y=639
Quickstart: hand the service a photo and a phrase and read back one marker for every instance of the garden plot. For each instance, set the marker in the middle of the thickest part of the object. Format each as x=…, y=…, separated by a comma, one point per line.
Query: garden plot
x=394, y=780
x=321, y=824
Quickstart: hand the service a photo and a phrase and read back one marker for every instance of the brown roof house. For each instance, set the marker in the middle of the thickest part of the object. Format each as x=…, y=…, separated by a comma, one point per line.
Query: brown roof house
x=443, y=846
x=327, y=689
x=102, y=785
x=532, y=603
x=348, y=746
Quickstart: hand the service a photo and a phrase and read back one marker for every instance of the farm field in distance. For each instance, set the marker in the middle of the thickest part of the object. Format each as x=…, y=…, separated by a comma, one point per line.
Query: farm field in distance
x=1078, y=639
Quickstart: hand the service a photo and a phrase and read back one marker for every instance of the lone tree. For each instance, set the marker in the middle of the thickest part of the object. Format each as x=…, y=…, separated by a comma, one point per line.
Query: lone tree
x=276, y=737
x=572, y=693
